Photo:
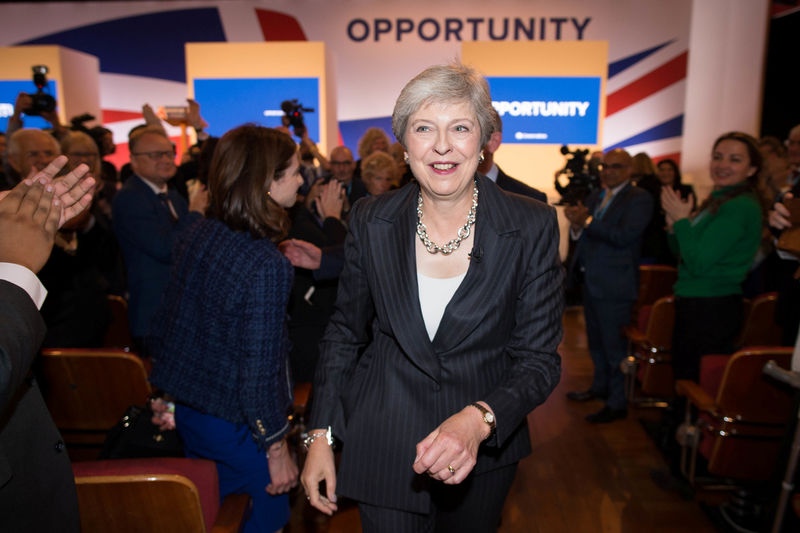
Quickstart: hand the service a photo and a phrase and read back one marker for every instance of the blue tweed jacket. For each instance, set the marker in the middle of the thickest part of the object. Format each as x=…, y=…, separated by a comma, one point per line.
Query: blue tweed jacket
x=219, y=339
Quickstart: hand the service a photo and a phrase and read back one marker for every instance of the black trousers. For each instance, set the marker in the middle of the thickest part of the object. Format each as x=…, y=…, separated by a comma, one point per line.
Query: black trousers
x=703, y=326
x=474, y=506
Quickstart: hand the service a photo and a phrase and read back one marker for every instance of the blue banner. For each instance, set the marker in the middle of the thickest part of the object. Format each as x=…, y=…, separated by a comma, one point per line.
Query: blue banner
x=540, y=110
x=227, y=103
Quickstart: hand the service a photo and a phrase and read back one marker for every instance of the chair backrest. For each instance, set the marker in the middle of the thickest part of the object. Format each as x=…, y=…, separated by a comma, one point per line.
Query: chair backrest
x=655, y=281
x=747, y=394
x=759, y=327
x=175, y=495
x=90, y=389
x=661, y=322
x=118, y=334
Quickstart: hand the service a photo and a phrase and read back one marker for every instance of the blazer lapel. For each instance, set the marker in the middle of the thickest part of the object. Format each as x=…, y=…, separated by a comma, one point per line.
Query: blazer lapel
x=392, y=234
x=495, y=229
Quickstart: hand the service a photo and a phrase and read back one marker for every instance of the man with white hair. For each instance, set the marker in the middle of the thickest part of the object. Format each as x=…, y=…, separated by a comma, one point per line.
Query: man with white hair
x=28, y=149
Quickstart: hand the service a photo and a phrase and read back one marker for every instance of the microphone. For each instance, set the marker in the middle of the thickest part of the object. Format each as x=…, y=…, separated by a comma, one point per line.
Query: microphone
x=476, y=255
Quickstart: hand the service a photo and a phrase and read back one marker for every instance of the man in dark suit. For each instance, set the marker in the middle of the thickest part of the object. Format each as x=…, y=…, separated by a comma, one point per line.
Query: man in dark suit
x=488, y=167
x=343, y=168
x=37, y=489
x=609, y=231
x=147, y=218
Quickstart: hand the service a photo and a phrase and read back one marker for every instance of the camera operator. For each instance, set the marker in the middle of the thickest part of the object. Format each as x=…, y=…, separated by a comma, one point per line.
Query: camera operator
x=23, y=104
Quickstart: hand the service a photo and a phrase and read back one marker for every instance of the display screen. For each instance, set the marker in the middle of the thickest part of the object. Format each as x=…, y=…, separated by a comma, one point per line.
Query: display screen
x=547, y=110
x=9, y=89
x=229, y=102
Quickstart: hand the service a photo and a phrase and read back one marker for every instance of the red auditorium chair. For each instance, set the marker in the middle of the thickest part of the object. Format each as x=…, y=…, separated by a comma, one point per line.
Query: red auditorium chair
x=742, y=417
x=88, y=390
x=174, y=495
x=649, y=361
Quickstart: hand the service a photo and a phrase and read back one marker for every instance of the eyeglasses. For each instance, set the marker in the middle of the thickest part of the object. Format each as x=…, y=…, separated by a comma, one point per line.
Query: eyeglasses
x=156, y=156
x=341, y=162
x=615, y=166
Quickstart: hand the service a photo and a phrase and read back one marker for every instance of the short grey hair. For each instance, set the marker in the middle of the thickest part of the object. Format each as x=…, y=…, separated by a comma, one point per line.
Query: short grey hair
x=19, y=137
x=444, y=84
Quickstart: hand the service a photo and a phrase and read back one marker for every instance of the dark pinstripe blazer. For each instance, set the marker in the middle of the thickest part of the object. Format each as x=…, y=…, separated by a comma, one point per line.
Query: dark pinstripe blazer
x=385, y=389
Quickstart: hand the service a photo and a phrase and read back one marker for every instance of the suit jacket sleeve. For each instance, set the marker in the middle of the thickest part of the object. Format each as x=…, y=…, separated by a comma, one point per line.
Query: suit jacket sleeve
x=536, y=365
x=624, y=232
x=264, y=385
x=21, y=332
x=341, y=344
x=137, y=220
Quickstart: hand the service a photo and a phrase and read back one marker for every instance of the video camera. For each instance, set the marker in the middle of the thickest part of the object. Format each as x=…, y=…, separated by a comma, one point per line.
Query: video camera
x=41, y=102
x=293, y=114
x=584, y=177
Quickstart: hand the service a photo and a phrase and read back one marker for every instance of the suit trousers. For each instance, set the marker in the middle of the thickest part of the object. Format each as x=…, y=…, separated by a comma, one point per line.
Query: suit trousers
x=605, y=319
x=474, y=506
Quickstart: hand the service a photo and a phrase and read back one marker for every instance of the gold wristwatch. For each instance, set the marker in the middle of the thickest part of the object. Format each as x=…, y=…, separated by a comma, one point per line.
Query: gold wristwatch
x=488, y=417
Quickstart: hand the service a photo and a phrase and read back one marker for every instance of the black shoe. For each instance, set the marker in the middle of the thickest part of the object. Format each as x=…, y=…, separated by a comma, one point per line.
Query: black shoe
x=585, y=395
x=606, y=415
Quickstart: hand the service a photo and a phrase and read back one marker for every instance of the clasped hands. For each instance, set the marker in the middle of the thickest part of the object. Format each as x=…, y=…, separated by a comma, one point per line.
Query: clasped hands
x=32, y=211
x=447, y=454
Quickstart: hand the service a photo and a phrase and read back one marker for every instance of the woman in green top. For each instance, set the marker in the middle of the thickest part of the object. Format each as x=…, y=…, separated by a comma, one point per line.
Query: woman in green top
x=716, y=245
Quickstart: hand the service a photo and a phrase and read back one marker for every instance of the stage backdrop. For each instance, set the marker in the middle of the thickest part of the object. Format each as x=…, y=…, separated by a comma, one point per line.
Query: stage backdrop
x=377, y=46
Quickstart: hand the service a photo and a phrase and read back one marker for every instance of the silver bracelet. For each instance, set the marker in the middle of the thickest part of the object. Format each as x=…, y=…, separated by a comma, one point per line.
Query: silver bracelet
x=308, y=441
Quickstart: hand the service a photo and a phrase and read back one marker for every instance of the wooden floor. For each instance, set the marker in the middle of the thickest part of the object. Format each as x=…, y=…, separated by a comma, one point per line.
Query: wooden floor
x=580, y=477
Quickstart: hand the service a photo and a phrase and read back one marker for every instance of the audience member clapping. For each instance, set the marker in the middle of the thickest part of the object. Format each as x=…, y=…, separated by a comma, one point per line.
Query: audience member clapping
x=655, y=246
x=716, y=243
x=84, y=267
x=318, y=222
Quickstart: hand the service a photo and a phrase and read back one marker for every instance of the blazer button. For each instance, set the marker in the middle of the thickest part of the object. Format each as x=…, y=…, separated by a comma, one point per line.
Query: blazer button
x=59, y=446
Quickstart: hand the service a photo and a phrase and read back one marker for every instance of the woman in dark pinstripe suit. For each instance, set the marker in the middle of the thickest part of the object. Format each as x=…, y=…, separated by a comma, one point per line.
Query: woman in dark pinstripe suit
x=445, y=330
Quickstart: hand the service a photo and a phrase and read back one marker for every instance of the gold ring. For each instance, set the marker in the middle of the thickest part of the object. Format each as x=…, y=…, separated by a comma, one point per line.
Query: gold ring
x=451, y=469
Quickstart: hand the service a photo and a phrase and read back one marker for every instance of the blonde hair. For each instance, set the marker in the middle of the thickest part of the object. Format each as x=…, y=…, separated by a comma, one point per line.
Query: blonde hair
x=369, y=137
x=377, y=162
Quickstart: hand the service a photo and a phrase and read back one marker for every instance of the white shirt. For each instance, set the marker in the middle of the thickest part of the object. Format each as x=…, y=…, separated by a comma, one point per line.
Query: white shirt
x=434, y=295
x=25, y=280
x=492, y=173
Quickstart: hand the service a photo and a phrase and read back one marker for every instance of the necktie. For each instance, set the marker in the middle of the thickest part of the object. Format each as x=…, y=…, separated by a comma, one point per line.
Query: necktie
x=173, y=216
x=604, y=204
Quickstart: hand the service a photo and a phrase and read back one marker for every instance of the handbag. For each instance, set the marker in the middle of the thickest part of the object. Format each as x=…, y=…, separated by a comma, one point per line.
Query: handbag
x=135, y=435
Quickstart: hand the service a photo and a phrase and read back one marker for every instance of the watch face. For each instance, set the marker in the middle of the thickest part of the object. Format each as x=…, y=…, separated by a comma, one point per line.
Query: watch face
x=488, y=417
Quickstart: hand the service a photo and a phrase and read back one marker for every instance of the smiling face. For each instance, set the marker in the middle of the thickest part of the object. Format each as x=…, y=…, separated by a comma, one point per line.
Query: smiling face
x=443, y=143
x=153, y=158
x=730, y=163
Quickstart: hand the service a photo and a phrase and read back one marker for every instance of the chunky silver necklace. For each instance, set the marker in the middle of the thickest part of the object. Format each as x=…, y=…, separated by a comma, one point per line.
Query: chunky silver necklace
x=463, y=232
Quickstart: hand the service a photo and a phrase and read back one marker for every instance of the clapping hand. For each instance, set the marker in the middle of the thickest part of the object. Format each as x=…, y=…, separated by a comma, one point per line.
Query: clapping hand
x=675, y=207
x=32, y=211
x=779, y=217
